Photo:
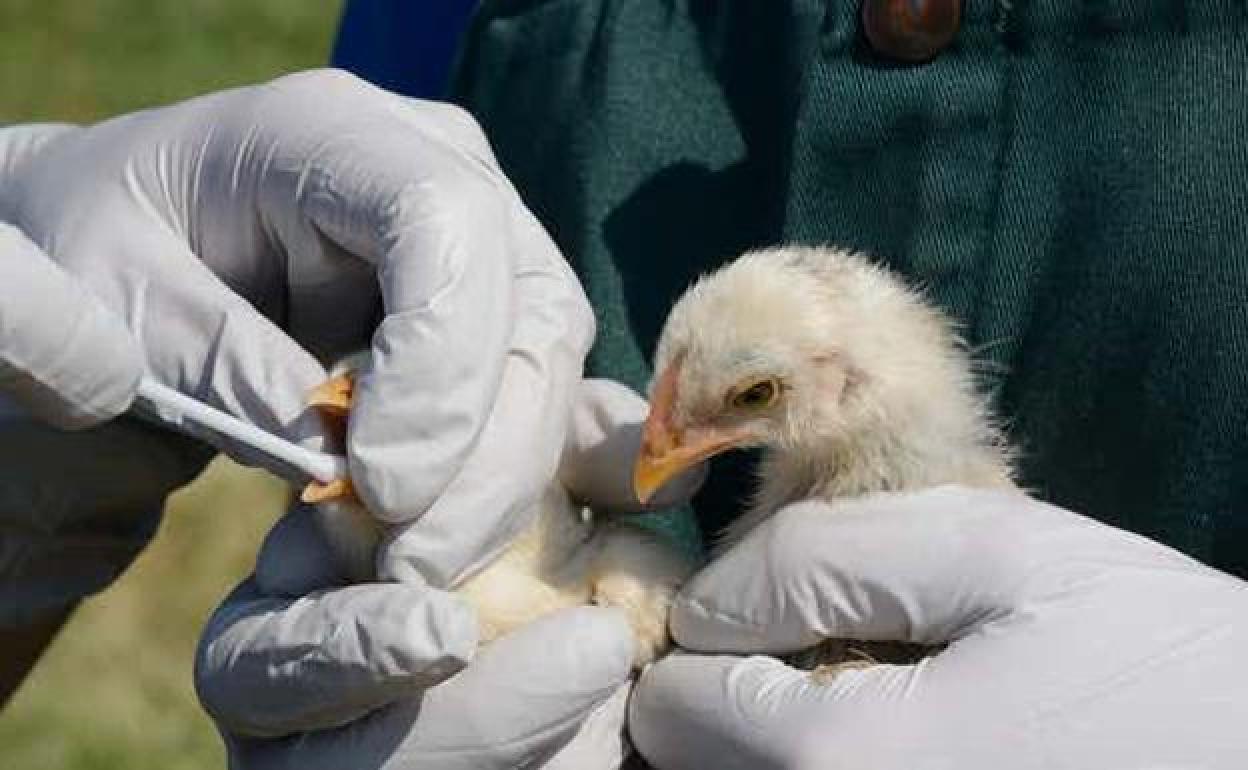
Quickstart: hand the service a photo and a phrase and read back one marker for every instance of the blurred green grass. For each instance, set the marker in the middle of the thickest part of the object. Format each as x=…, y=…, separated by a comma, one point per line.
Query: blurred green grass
x=81, y=60
x=114, y=690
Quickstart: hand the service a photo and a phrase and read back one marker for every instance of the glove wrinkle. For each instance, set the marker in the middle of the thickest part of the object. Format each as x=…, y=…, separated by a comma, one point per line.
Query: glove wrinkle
x=63, y=356
x=1056, y=653
x=523, y=699
x=271, y=667
x=20, y=143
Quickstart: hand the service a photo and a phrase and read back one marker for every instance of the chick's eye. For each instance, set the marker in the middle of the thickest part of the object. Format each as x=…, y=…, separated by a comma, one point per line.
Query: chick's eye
x=759, y=395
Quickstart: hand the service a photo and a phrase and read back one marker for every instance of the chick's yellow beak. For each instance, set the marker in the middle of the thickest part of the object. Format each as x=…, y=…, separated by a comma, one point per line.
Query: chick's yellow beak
x=666, y=450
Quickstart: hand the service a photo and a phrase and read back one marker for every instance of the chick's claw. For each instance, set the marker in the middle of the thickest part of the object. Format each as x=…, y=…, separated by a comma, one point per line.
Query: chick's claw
x=333, y=397
x=332, y=400
x=320, y=492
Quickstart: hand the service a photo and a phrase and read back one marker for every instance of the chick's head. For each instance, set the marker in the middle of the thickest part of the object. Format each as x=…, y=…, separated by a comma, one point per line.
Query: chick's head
x=771, y=351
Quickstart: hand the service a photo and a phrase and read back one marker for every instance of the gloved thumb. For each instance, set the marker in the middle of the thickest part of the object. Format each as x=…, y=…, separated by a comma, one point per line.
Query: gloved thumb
x=879, y=568
x=868, y=569
x=722, y=711
x=755, y=713
x=604, y=436
x=64, y=357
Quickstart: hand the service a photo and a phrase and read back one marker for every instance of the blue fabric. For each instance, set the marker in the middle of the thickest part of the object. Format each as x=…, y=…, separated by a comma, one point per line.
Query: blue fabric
x=406, y=46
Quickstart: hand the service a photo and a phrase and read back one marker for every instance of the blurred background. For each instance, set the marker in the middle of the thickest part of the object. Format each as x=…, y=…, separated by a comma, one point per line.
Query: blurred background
x=115, y=689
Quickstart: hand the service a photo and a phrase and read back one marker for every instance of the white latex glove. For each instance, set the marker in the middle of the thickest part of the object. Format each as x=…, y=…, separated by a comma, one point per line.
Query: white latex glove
x=63, y=356
x=302, y=672
x=373, y=675
x=245, y=235
x=1071, y=645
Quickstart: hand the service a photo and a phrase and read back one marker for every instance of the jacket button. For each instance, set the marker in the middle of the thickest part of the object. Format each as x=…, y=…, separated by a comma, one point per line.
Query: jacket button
x=911, y=30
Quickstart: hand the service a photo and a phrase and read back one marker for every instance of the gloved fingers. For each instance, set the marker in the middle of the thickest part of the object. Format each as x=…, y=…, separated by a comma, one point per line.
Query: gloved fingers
x=208, y=342
x=495, y=494
x=522, y=699
x=197, y=335
x=273, y=666
x=528, y=693
x=63, y=356
x=600, y=742
x=698, y=711
x=296, y=559
x=1003, y=705
x=473, y=291
x=1051, y=620
x=924, y=567
x=404, y=188
x=319, y=188
x=695, y=711
x=601, y=447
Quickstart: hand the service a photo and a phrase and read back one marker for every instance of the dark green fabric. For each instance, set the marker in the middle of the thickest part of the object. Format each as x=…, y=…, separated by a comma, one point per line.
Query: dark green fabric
x=1070, y=180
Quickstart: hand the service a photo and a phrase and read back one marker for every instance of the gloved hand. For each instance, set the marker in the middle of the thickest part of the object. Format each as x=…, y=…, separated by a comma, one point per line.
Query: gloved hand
x=369, y=676
x=246, y=236
x=358, y=676
x=1071, y=645
x=75, y=509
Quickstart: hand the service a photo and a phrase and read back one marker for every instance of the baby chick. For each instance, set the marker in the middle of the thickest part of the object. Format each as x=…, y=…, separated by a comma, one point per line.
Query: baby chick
x=565, y=558
x=848, y=380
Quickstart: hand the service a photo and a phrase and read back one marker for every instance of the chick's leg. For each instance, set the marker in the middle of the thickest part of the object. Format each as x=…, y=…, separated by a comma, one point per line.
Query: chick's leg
x=637, y=572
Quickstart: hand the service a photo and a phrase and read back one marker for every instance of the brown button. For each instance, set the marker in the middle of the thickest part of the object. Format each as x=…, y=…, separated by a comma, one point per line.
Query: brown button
x=911, y=30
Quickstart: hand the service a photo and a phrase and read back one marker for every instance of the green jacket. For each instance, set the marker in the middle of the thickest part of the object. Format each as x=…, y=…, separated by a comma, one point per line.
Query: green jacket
x=1069, y=179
